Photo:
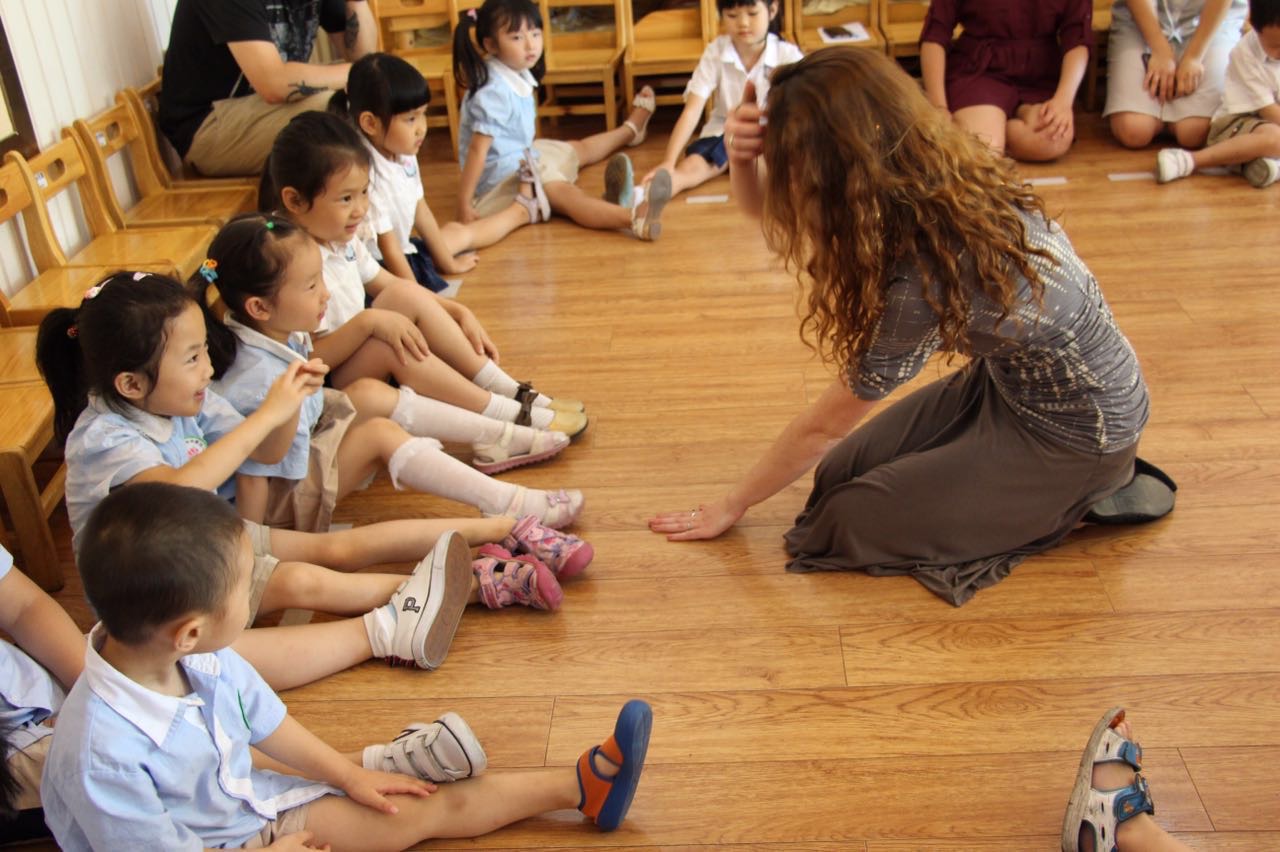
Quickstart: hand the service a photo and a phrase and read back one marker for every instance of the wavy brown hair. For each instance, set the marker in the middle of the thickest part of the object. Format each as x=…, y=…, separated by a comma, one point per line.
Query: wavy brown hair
x=864, y=173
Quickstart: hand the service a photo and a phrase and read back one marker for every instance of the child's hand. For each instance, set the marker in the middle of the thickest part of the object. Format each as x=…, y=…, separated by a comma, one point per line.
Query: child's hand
x=290, y=389
x=297, y=840
x=460, y=264
x=467, y=212
x=1188, y=76
x=371, y=788
x=1056, y=118
x=744, y=129
x=1161, y=78
x=669, y=165
x=315, y=370
x=474, y=331
x=400, y=334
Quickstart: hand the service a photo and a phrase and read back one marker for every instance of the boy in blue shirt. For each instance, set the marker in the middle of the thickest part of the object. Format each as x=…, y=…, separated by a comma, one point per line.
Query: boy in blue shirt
x=152, y=748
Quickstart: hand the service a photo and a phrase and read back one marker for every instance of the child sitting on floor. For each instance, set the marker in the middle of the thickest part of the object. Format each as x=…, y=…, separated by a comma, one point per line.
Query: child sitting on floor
x=153, y=742
x=386, y=98
x=1246, y=128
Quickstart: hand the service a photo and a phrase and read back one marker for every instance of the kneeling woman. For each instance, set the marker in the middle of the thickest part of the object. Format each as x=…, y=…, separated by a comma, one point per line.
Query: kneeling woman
x=911, y=238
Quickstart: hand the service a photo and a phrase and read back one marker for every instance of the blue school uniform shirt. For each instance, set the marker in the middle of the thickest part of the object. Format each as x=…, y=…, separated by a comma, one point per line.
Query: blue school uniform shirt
x=131, y=768
x=504, y=109
x=259, y=361
x=107, y=448
x=28, y=693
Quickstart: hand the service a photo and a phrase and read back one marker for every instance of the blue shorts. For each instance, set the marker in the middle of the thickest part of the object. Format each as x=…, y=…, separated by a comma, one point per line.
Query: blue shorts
x=711, y=149
x=424, y=269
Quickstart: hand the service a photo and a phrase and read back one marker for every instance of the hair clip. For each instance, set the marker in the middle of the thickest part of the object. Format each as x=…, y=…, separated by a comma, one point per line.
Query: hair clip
x=93, y=291
x=73, y=331
x=209, y=270
x=471, y=13
x=138, y=276
x=271, y=226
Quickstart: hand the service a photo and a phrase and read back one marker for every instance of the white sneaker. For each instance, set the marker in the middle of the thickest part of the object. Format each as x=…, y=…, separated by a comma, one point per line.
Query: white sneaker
x=1172, y=164
x=445, y=750
x=1262, y=172
x=429, y=604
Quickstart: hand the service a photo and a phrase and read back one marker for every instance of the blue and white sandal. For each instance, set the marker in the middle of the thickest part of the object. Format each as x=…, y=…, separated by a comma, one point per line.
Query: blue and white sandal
x=619, y=181
x=1100, y=812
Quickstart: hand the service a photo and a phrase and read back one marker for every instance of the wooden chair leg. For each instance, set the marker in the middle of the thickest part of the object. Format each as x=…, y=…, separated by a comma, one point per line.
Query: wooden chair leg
x=628, y=88
x=610, y=99
x=39, y=558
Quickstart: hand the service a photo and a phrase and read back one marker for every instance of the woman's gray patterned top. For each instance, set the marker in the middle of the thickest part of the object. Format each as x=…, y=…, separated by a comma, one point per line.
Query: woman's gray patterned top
x=1065, y=367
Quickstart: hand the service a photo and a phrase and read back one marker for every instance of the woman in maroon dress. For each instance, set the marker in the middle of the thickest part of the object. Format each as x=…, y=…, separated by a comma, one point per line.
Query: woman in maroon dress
x=1012, y=74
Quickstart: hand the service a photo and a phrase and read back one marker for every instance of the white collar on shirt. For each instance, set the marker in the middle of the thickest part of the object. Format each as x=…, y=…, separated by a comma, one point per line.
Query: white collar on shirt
x=148, y=710
x=155, y=427
x=768, y=59
x=522, y=83
x=252, y=337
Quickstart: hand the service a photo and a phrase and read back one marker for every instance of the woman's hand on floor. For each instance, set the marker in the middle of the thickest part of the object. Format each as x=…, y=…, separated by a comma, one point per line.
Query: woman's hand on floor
x=709, y=520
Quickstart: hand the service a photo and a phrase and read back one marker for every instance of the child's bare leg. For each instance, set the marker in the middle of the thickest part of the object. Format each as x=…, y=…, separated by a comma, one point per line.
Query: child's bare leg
x=1191, y=132
x=469, y=808
x=1136, y=130
x=293, y=656
x=986, y=122
x=485, y=231
x=306, y=586
x=431, y=376
x=442, y=332
x=1263, y=141
x=568, y=199
x=595, y=148
x=694, y=171
x=389, y=541
x=1140, y=833
x=1025, y=143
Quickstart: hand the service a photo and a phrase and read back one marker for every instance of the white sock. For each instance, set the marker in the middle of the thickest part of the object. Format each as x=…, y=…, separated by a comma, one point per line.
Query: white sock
x=492, y=378
x=380, y=624
x=502, y=408
x=430, y=418
x=421, y=465
x=637, y=197
x=373, y=757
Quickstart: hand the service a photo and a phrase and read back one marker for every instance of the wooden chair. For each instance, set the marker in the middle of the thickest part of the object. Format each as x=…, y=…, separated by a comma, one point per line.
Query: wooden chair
x=119, y=129
x=806, y=27
x=901, y=22
x=582, y=65
x=26, y=431
x=55, y=170
x=665, y=42
x=399, y=21
x=145, y=103
x=54, y=287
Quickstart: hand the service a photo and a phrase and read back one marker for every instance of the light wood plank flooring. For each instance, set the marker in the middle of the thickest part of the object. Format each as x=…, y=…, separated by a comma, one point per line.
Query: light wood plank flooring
x=843, y=712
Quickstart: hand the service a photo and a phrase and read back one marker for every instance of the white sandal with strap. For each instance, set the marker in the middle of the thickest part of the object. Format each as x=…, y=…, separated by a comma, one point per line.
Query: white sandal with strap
x=645, y=99
x=1100, y=812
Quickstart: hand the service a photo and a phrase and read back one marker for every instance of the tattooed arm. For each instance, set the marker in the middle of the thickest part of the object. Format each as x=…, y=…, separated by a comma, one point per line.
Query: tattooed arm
x=359, y=33
x=280, y=82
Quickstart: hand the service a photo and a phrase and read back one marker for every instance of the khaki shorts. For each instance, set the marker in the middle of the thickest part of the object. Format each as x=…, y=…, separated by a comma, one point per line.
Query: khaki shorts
x=1231, y=126
x=264, y=565
x=26, y=766
x=235, y=138
x=557, y=161
x=287, y=822
x=307, y=504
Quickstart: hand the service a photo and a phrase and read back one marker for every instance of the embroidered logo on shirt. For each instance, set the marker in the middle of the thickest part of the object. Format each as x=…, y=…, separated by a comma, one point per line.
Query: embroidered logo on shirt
x=351, y=253
x=195, y=445
x=410, y=168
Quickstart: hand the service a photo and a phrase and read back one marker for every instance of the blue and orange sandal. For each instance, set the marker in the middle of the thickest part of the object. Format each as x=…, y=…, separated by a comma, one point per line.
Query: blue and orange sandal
x=1100, y=812
x=606, y=800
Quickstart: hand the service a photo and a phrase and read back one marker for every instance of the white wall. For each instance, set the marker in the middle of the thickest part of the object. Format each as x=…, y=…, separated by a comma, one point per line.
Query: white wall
x=72, y=57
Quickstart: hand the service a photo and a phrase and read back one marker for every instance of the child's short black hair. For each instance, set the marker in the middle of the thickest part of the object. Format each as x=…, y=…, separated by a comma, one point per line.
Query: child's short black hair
x=381, y=84
x=775, y=23
x=310, y=148
x=1264, y=13
x=153, y=552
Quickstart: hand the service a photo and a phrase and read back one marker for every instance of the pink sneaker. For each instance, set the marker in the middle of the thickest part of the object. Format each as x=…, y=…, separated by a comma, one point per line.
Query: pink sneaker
x=506, y=580
x=566, y=555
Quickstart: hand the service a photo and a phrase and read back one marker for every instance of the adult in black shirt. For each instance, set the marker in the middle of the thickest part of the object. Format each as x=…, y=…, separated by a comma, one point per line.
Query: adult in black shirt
x=236, y=71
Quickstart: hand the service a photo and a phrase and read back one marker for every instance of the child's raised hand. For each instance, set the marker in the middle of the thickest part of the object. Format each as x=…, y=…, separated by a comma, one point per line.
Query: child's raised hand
x=744, y=129
x=399, y=332
x=297, y=840
x=287, y=393
x=370, y=788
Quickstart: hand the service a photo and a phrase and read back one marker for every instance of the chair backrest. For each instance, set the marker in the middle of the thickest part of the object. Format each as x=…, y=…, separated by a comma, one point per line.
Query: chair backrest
x=865, y=12
x=561, y=31
x=401, y=26
x=14, y=196
x=145, y=103
x=109, y=133
x=699, y=22
x=906, y=11
x=47, y=174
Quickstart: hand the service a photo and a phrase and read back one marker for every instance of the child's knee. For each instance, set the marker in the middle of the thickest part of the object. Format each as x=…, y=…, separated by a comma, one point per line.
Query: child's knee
x=1271, y=135
x=384, y=434
x=295, y=583
x=1191, y=133
x=372, y=397
x=1133, y=131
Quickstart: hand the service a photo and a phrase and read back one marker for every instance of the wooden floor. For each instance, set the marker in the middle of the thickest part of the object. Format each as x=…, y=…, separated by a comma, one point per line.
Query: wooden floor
x=831, y=712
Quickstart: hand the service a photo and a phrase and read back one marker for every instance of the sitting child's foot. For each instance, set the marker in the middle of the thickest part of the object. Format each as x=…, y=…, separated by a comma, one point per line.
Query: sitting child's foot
x=526, y=391
x=609, y=773
x=1262, y=172
x=530, y=178
x=646, y=217
x=1173, y=164
x=556, y=509
x=445, y=750
x=566, y=555
x=1110, y=805
x=417, y=625
x=518, y=445
x=645, y=104
x=506, y=580
x=619, y=181
x=524, y=197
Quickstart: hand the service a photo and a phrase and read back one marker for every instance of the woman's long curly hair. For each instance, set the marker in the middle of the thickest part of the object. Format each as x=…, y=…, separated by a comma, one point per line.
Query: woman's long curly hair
x=864, y=173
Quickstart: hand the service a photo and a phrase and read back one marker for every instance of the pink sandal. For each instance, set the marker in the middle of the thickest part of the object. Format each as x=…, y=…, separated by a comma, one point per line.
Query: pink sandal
x=566, y=555
x=506, y=580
